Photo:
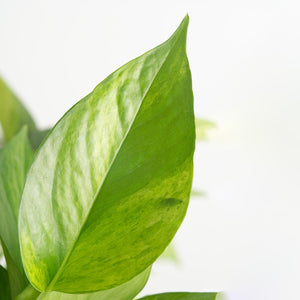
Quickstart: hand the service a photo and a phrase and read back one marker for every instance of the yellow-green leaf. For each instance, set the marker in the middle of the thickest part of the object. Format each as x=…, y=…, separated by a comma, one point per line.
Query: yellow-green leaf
x=202, y=127
x=110, y=185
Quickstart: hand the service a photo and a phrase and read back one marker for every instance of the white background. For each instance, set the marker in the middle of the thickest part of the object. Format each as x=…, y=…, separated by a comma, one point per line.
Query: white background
x=243, y=237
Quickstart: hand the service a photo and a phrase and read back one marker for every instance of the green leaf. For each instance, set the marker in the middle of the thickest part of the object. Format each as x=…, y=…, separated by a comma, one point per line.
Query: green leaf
x=170, y=254
x=197, y=193
x=110, y=185
x=13, y=114
x=182, y=296
x=202, y=127
x=15, y=160
x=125, y=291
x=17, y=278
x=4, y=284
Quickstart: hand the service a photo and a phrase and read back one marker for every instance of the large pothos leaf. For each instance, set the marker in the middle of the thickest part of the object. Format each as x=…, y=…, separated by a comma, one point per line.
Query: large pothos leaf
x=4, y=284
x=126, y=291
x=183, y=296
x=110, y=185
x=15, y=160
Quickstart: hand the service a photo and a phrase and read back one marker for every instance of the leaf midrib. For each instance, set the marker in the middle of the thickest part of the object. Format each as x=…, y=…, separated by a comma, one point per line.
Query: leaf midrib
x=59, y=271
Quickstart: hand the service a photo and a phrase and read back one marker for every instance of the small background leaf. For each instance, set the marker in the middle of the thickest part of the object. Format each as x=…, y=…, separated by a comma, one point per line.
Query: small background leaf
x=126, y=291
x=13, y=116
x=170, y=253
x=182, y=296
x=202, y=128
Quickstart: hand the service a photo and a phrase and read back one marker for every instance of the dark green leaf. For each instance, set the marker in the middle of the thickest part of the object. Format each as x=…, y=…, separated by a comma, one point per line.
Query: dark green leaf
x=17, y=278
x=13, y=115
x=110, y=185
x=182, y=296
x=4, y=284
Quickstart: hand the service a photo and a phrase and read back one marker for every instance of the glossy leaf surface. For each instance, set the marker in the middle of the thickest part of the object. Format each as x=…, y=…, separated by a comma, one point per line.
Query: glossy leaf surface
x=4, y=284
x=126, y=291
x=13, y=114
x=182, y=296
x=110, y=185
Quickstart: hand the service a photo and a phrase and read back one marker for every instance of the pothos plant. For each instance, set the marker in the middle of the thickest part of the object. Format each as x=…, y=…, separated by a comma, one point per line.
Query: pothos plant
x=86, y=214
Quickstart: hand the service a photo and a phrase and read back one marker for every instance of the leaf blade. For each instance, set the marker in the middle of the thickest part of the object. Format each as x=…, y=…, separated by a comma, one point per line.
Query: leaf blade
x=133, y=166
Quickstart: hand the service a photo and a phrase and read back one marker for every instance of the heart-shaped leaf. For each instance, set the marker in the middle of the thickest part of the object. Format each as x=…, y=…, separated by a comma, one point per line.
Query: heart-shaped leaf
x=110, y=185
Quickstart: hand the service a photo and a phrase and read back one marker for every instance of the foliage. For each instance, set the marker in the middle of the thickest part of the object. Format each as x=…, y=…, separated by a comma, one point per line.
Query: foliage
x=87, y=214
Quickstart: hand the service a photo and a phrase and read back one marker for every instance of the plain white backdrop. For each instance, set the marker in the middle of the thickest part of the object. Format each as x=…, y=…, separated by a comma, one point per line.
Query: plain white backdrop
x=243, y=237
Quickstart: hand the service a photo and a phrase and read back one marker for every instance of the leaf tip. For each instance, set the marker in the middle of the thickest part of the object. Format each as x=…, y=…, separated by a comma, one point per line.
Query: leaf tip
x=181, y=31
